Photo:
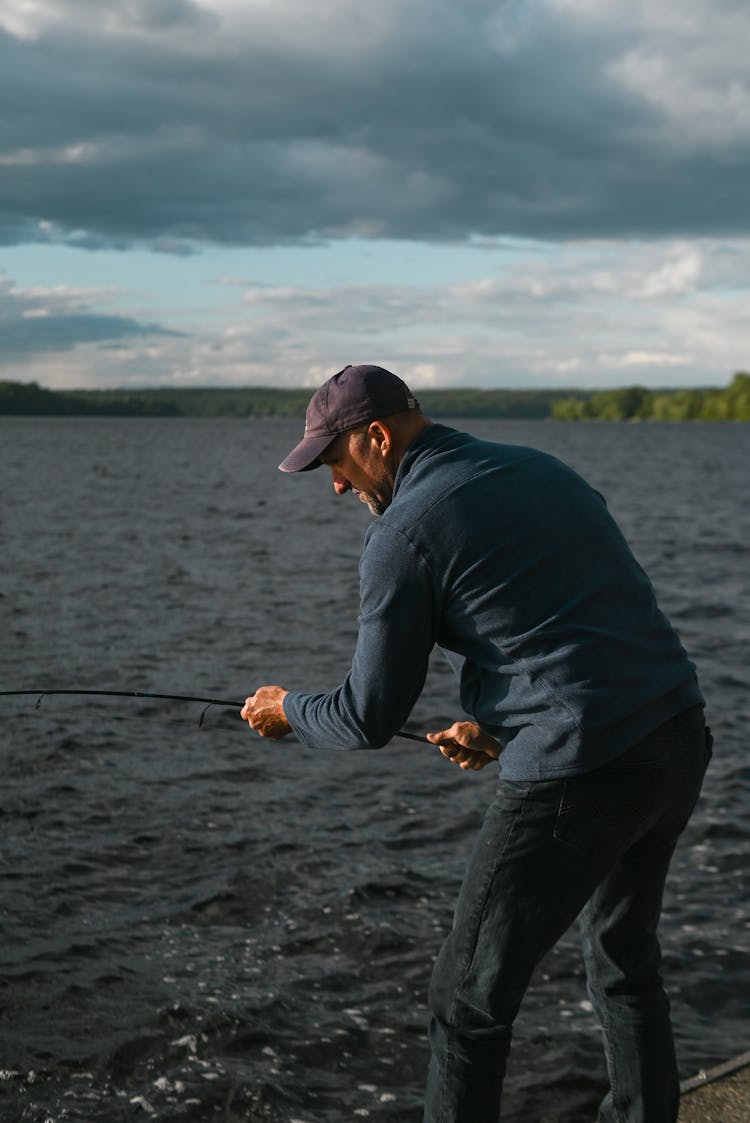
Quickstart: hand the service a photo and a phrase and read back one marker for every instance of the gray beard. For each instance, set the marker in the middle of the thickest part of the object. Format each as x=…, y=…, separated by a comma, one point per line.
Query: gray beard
x=376, y=507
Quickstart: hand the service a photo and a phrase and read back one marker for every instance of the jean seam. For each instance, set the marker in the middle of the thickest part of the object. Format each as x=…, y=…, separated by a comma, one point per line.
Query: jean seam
x=481, y=912
x=614, y=1083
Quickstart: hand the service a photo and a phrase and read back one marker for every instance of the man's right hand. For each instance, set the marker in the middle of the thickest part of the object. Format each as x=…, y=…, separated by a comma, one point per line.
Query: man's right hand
x=466, y=745
x=264, y=710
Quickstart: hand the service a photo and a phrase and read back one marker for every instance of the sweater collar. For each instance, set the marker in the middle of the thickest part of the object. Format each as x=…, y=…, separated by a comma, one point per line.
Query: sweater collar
x=421, y=444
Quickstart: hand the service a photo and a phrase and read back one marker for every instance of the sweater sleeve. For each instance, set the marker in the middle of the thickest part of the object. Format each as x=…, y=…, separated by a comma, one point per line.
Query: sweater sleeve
x=398, y=611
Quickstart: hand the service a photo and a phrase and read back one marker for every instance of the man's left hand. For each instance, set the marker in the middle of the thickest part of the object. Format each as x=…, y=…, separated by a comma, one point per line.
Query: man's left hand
x=264, y=710
x=466, y=745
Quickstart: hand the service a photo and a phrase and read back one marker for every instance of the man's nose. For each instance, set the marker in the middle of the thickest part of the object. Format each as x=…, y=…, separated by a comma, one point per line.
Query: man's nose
x=340, y=485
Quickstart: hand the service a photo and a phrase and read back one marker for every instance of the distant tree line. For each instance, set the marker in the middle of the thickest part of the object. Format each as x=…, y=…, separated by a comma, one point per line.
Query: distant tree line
x=253, y=401
x=629, y=403
x=635, y=403
x=31, y=399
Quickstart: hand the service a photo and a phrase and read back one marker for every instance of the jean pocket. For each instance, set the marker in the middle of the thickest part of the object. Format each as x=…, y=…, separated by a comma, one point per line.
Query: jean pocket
x=598, y=816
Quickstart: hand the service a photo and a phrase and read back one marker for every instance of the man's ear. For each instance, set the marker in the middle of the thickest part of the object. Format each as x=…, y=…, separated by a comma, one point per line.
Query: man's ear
x=381, y=436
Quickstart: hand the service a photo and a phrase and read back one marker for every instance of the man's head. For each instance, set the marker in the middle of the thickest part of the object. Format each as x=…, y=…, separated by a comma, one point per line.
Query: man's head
x=359, y=423
x=354, y=397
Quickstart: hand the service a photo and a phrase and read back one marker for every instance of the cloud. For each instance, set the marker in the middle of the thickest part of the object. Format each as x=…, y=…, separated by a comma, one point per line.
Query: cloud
x=593, y=314
x=170, y=124
x=39, y=321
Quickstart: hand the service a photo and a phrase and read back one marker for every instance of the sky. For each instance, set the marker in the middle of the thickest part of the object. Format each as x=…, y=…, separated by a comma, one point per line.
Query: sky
x=526, y=193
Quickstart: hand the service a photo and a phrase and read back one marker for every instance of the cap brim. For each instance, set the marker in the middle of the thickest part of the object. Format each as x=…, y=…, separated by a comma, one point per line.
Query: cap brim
x=305, y=456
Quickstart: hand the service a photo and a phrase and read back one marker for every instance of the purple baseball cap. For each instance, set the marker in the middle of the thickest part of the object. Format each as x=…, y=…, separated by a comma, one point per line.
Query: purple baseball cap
x=355, y=396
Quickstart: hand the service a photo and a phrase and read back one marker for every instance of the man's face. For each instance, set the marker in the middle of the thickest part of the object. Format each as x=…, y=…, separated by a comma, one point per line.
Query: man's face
x=361, y=463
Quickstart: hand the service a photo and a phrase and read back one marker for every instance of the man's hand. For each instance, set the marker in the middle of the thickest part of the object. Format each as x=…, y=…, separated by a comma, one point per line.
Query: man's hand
x=466, y=745
x=264, y=711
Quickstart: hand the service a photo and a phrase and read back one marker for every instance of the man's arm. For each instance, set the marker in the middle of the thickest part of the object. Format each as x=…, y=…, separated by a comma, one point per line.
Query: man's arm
x=396, y=635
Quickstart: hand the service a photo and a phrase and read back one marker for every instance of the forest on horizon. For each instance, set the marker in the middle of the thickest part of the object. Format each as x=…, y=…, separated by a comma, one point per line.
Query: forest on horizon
x=629, y=403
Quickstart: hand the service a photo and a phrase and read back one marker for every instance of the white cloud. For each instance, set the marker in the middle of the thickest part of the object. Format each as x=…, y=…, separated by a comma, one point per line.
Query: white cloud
x=607, y=313
x=646, y=359
x=680, y=274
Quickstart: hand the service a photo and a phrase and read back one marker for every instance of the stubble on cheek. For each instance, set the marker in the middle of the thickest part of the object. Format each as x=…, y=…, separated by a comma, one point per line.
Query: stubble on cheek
x=383, y=481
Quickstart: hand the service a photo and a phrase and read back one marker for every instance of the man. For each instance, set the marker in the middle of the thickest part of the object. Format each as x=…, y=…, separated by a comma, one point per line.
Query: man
x=572, y=678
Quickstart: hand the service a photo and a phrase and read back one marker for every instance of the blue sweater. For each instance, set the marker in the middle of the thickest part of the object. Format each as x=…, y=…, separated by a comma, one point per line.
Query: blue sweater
x=510, y=562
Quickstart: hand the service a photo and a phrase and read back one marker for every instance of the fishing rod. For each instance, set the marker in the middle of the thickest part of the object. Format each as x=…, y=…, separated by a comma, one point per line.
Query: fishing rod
x=170, y=697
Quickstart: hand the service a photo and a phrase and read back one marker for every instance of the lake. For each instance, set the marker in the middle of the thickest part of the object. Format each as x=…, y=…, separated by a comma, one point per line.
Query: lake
x=197, y=924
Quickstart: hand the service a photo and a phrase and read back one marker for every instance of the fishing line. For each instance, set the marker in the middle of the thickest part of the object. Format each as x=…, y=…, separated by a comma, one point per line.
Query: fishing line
x=208, y=702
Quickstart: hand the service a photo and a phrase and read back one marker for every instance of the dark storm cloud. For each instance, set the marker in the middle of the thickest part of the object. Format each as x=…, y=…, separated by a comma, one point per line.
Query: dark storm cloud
x=34, y=321
x=169, y=124
x=60, y=333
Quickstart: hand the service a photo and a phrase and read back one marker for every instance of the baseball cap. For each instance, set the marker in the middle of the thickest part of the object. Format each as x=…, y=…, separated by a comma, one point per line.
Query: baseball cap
x=355, y=396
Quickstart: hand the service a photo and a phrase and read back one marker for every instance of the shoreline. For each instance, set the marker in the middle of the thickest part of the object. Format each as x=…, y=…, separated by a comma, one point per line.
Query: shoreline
x=718, y=1095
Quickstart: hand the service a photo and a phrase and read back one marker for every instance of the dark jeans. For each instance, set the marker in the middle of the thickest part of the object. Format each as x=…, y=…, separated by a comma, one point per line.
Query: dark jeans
x=597, y=845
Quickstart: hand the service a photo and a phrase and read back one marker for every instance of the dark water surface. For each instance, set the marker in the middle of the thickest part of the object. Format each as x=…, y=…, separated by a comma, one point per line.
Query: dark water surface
x=197, y=925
